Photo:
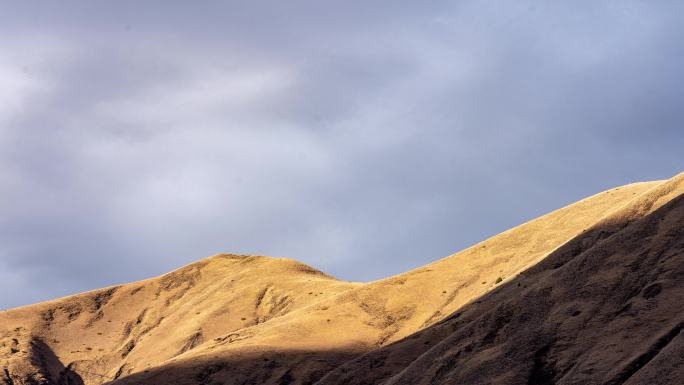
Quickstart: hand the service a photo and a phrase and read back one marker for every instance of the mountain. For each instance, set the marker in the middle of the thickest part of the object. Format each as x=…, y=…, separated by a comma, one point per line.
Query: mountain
x=591, y=293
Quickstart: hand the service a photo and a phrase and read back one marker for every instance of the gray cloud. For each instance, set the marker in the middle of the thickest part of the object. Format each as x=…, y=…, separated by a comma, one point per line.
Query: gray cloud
x=364, y=139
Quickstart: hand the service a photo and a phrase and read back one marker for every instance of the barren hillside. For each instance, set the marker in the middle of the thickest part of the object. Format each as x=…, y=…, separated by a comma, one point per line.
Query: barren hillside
x=588, y=294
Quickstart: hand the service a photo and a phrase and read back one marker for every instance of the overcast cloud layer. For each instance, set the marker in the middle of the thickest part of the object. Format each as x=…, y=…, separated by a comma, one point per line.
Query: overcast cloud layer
x=363, y=138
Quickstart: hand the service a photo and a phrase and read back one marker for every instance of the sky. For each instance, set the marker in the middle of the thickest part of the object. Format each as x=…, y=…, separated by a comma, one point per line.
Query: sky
x=364, y=138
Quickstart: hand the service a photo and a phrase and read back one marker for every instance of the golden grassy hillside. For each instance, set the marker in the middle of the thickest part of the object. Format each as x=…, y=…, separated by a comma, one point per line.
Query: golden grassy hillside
x=541, y=303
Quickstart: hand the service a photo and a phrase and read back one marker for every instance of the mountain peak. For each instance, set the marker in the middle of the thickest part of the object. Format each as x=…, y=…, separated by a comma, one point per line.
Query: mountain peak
x=589, y=293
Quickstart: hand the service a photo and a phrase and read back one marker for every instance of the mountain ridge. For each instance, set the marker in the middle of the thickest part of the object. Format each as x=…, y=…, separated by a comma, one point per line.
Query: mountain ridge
x=238, y=319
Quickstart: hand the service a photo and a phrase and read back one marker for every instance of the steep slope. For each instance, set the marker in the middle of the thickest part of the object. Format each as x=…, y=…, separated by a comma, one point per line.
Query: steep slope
x=240, y=320
x=605, y=308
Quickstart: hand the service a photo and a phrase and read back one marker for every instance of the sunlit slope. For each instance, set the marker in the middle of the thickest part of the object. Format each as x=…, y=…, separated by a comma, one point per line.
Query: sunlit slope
x=113, y=332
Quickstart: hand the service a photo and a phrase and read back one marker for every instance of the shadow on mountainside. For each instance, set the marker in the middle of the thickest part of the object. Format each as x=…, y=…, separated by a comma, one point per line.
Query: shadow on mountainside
x=603, y=308
x=272, y=367
x=51, y=369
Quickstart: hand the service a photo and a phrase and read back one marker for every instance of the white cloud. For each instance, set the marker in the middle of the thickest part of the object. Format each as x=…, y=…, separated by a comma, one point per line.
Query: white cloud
x=203, y=97
x=25, y=65
x=16, y=88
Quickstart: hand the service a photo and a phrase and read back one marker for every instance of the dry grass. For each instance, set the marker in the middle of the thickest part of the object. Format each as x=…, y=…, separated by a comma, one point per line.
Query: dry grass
x=247, y=319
